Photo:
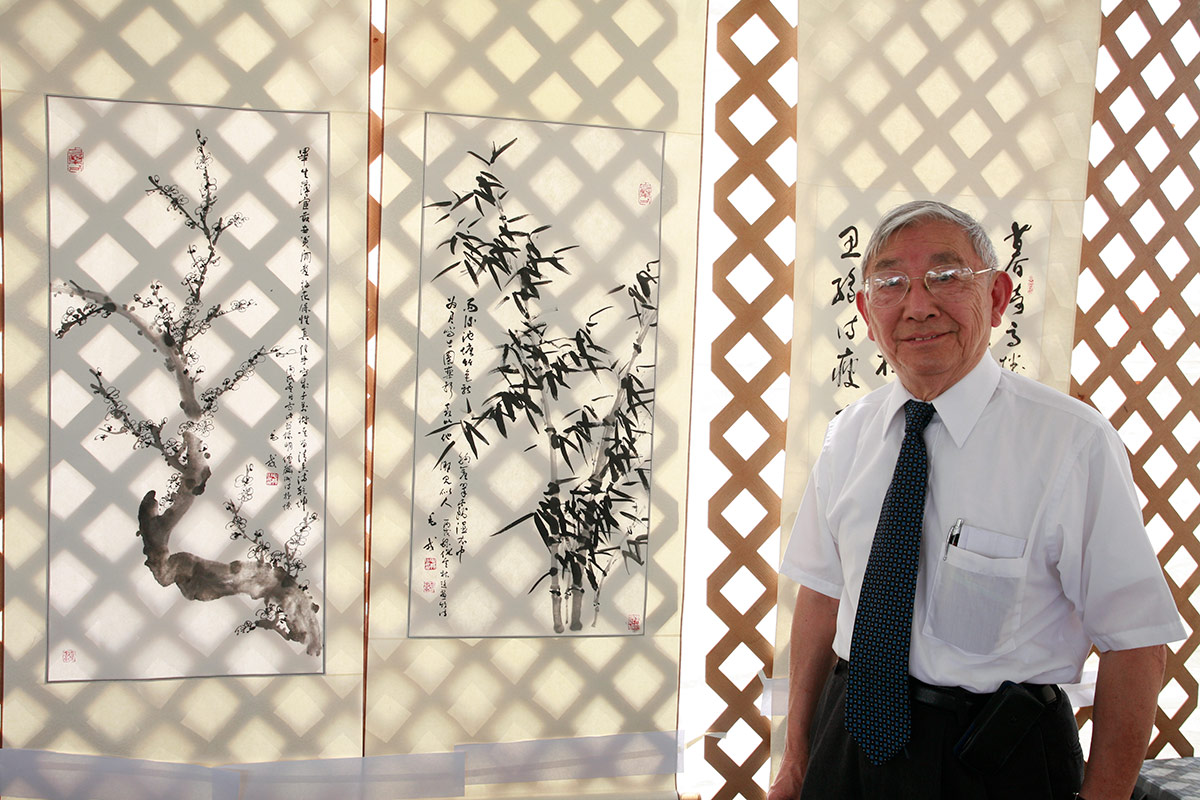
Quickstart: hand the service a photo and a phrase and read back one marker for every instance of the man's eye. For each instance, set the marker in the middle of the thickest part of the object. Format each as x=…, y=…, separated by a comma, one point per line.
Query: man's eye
x=889, y=282
x=943, y=277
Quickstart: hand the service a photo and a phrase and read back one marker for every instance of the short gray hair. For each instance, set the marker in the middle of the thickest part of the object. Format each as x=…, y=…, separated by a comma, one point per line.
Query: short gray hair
x=911, y=213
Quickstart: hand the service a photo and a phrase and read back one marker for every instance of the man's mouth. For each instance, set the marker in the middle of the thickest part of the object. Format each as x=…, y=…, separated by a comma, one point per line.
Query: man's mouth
x=924, y=338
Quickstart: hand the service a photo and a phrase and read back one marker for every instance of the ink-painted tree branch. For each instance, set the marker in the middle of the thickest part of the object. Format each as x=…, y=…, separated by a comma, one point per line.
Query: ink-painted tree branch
x=170, y=333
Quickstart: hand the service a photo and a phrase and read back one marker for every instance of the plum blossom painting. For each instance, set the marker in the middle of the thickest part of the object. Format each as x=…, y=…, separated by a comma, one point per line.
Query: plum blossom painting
x=535, y=391
x=188, y=292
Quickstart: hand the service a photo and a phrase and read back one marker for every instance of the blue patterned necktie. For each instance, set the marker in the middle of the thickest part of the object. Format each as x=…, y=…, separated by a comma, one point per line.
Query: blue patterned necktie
x=877, y=701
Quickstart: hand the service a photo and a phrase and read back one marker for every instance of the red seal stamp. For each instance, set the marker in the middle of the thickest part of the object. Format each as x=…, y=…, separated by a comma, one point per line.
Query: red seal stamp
x=428, y=587
x=635, y=622
x=430, y=564
x=68, y=656
x=272, y=479
x=75, y=159
x=644, y=192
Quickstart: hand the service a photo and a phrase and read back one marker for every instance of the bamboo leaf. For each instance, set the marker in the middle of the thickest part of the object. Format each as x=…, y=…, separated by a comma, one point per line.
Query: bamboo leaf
x=496, y=153
x=514, y=523
x=449, y=446
x=545, y=575
x=444, y=271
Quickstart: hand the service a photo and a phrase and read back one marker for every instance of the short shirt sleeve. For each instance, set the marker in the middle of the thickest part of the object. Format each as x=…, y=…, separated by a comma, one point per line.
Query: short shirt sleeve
x=1108, y=566
x=811, y=556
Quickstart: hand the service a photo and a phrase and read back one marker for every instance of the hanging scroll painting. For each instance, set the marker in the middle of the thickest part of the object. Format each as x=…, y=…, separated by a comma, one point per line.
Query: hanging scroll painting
x=847, y=362
x=187, y=390
x=535, y=391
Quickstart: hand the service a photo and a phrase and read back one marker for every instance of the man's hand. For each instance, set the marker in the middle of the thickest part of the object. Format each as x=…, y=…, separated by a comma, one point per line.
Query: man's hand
x=790, y=778
x=810, y=661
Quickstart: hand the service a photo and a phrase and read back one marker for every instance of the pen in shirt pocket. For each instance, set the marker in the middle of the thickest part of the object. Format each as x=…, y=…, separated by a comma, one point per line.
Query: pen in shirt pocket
x=952, y=537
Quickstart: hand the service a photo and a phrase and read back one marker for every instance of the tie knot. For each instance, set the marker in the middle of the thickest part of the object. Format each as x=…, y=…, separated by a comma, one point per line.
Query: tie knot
x=917, y=416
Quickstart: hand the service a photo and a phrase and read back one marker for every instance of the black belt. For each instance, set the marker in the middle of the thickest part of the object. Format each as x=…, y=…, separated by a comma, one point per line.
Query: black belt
x=960, y=701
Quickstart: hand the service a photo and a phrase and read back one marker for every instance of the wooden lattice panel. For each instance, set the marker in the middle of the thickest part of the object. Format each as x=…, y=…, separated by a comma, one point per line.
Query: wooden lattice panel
x=1137, y=356
x=752, y=199
x=378, y=50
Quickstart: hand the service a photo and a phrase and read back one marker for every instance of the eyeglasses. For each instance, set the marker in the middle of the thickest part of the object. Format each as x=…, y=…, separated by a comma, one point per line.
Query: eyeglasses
x=949, y=284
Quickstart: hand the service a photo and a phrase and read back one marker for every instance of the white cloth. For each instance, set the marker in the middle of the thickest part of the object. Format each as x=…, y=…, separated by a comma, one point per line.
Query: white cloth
x=1052, y=554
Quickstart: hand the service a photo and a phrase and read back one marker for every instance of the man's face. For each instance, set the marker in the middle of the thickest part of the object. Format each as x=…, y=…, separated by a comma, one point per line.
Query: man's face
x=932, y=343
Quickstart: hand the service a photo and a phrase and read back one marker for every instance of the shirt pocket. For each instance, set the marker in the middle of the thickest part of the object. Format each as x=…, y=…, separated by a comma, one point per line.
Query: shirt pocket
x=975, y=601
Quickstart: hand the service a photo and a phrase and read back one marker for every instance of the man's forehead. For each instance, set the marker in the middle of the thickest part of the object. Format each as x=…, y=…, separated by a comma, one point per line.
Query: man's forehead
x=935, y=259
x=942, y=241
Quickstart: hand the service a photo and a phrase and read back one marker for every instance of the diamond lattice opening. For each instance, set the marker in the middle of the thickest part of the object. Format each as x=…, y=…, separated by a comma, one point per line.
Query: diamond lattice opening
x=1083, y=362
x=1172, y=258
x=1108, y=397
x=748, y=357
x=1135, y=432
x=1160, y=466
x=1182, y=116
x=1176, y=188
x=1168, y=328
x=746, y=436
x=755, y=39
x=1163, y=399
x=1189, y=364
x=1147, y=221
x=742, y=591
x=1143, y=291
x=753, y=119
x=750, y=199
x=1094, y=218
x=1152, y=149
x=749, y=279
x=1111, y=327
x=744, y=512
x=1138, y=363
x=1157, y=76
x=1121, y=182
x=1133, y=35
x=1106, y=70
x=1181, y=566
x=1127, y=110
x=1186, y=42
x=741, y=667
x=1187, y=432
x=1172, y=697
x=1185, y=499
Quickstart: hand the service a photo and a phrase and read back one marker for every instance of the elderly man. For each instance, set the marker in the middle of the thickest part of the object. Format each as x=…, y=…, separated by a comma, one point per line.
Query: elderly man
x=966, y=536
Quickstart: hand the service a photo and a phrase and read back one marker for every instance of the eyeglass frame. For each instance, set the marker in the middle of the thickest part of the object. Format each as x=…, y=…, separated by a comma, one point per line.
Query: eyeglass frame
x=924, y=279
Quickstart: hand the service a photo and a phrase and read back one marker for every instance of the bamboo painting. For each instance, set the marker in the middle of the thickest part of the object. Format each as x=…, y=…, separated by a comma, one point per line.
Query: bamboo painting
x=574, y=389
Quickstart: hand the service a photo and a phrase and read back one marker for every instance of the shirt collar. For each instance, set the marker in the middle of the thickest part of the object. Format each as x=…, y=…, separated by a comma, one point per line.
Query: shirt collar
x=960, y=406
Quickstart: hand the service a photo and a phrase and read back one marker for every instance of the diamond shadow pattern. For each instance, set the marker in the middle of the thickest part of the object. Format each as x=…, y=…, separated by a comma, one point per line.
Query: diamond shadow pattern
x=628, y=64
x=269, y=56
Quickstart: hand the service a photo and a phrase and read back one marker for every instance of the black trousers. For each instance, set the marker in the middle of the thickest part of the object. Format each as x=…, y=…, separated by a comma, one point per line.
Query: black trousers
x=1047, y=764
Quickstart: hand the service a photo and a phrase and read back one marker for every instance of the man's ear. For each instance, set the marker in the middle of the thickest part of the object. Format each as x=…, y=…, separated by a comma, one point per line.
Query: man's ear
x=1001, y=293
x=860, y=300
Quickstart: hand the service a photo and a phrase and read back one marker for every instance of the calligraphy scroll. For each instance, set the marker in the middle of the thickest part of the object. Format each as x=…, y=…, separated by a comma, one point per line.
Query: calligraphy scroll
x=187, y=390
x=535, y=395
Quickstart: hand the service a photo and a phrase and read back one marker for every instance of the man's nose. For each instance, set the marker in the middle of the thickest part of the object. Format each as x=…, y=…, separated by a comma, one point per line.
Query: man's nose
x=919, y=302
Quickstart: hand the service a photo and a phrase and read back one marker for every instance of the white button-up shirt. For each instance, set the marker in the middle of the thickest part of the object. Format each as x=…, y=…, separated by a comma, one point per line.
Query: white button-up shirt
x=1033, y=545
